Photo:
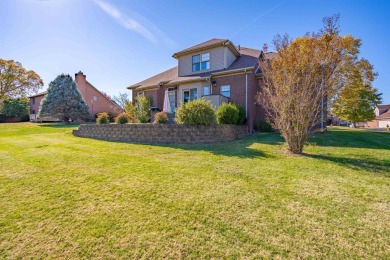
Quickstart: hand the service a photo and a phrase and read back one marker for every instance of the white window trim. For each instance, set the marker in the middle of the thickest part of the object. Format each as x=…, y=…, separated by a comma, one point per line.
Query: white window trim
x=200, y=62
x=188, y=89
x=204, y=89
x=230, y=89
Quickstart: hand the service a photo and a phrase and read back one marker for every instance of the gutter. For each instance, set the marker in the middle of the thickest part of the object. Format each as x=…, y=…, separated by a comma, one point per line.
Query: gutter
x=133, y=86
x=232, y=71
x=174, y=83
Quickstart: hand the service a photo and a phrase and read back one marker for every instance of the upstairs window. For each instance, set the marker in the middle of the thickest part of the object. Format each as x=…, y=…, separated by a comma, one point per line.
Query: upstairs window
x=205, y=61
x=196, y=63
x=95, y=98
x=201, y=62
x=225, y=91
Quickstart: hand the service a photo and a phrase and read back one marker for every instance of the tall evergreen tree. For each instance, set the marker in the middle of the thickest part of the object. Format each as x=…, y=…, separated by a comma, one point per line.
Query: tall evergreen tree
x=64, y=101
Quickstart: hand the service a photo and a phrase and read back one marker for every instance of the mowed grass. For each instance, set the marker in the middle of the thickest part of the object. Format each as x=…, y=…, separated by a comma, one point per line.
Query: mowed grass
x=68, y=197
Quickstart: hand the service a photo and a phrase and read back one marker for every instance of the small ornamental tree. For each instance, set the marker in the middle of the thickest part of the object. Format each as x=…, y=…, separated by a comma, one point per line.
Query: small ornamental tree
x=131, y=110
x=310, y=73
x=143, y=109
x=63, y=101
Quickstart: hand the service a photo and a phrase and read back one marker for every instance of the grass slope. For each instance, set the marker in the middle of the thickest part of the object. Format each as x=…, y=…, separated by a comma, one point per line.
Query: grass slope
x=68, y=197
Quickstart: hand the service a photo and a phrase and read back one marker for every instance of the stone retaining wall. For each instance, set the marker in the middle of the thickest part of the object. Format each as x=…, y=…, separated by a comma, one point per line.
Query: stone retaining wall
x=163, y=133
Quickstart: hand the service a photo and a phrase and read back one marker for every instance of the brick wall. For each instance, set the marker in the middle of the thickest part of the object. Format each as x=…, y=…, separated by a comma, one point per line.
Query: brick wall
x=95, y=100
x=35, y=102
x=237, y=94
x=162, y=133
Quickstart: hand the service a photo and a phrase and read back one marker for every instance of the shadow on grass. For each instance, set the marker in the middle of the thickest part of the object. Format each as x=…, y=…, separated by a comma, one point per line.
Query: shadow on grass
x=370, y=164
x=61, y=125
x=351, y=138
x=239, y=148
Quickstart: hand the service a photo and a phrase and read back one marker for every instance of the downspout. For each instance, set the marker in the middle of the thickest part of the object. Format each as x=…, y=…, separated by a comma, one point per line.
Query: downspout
x=210, y=84
x=224, y=55
x=246, y=94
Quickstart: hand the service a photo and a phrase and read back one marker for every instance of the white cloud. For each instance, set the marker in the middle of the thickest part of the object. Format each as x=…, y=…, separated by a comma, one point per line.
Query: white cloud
x=126, y=21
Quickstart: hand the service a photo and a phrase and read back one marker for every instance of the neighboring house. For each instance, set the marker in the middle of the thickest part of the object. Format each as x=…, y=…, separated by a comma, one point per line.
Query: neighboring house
x=35, y=102
x=382, y=117
x=97, y=101
x=216, y=70
x=336, y=121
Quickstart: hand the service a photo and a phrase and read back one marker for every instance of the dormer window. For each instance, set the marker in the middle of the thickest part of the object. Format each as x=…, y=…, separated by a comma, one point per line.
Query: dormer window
x=201, y=62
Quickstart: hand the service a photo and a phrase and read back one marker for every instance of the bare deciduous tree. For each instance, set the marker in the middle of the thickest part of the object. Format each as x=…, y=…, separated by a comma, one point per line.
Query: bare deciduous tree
x=122, y=99
x=302, y=76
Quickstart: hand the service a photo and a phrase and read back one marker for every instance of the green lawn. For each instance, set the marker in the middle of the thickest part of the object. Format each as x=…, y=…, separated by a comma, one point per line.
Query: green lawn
x=68, y=197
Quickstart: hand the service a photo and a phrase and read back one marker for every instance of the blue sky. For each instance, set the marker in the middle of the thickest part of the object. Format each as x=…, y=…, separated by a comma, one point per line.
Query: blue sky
x=118, y=43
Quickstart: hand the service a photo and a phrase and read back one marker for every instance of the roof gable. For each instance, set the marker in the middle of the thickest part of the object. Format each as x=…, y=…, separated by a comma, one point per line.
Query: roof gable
x=208, y=45
x=248, y=59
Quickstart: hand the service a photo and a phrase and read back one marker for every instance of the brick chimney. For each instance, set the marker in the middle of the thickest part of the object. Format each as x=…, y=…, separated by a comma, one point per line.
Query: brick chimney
x=81, y=82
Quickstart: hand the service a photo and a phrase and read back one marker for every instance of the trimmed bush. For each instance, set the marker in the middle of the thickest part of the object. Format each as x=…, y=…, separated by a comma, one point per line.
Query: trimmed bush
x=122, y=118
x=227, y=114
x=161, y=118
x=263, y=126
x=241, y=115
x=103, y=118
x=196, y=112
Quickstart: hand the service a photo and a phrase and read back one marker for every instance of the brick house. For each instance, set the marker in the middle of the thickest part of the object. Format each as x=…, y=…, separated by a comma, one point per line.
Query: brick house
x=216, y=70
x=382, y=117
x=97, y=102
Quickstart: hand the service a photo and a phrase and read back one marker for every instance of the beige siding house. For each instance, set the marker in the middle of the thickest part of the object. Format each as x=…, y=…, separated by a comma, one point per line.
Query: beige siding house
x=216, y=70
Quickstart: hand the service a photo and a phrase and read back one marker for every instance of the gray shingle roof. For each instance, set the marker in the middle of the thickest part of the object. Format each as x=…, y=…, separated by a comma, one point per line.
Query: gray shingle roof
x=385, y=115
x=247, y=59
x=155, y=80
x=383, y=107
x=203, y=44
